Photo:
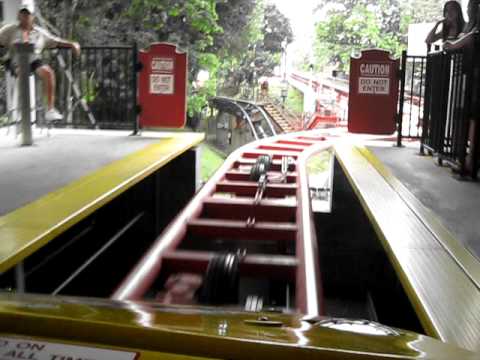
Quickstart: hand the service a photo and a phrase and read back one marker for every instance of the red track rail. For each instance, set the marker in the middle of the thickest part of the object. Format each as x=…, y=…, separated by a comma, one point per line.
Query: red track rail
x=208, y=216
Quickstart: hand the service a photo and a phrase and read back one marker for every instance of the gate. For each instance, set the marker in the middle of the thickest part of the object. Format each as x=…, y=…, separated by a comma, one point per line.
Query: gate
x=412, y=97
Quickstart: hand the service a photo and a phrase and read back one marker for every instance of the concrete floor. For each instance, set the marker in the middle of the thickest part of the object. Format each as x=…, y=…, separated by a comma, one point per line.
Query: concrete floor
x=27, y=173
x=456, y=203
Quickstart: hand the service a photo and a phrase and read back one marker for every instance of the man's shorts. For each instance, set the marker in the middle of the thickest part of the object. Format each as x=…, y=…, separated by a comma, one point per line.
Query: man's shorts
x=34, y=65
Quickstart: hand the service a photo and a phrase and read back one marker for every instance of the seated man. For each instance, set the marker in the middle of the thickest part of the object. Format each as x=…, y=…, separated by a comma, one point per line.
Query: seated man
x=25, y=31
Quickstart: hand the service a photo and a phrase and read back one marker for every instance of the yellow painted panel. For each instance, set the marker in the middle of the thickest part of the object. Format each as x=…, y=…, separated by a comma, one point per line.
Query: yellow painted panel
x=445, y=298
x=464, y=258
x=27, y=229
x=150, y=328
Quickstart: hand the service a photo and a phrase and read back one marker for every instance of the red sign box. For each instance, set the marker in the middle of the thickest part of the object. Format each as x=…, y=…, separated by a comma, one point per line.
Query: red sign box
x=372, y=105
x=162, y=91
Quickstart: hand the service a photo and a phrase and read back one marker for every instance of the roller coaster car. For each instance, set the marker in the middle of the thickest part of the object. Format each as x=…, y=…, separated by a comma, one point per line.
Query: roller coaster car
x=236, y=275
x=61, y=328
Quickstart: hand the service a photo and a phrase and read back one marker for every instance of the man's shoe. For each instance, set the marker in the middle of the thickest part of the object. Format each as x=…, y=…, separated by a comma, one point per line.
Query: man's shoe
x=53, y=115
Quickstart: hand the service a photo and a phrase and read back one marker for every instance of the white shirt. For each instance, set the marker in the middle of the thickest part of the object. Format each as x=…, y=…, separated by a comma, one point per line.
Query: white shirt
x=40, y=38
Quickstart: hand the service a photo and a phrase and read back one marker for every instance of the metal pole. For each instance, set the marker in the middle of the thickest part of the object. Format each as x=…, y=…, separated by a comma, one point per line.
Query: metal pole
x=136, y=112
x=402, y=99
x=104, y=248
x=19, y=278
x=24, y=50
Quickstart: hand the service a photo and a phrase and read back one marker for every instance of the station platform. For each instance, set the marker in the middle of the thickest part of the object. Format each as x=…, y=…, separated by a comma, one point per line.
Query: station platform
x=117, y=205
x=57, y=160
x=454, y=202
x=47, y=189
x=439, y=273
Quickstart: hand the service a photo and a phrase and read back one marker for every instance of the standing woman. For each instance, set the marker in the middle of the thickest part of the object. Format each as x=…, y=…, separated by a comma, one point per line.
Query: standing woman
x=465, y=39
x=452, y=23
x=466, y=43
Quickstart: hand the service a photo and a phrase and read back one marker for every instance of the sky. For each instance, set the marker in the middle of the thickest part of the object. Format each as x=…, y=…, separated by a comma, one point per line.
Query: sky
x=300, y=13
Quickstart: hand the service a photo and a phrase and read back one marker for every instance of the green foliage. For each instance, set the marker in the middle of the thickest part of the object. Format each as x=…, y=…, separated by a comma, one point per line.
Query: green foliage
x=226, y=38
x=90, y=87
x=256, y=50
x=355, y=26
x=420, y=11
x=84, y=21
x=210, y=161
x=185, y=20
x=198, y=98
x=294, y=101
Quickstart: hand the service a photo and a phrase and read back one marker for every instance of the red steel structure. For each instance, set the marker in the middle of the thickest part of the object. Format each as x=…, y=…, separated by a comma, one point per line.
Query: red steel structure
x=324, y=115
x=281, y=215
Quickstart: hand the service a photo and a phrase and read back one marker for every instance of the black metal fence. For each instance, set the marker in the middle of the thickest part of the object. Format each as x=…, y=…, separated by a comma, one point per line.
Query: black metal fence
x=96, y=90
x=106, y=80
x=438, y=98
x=444, y=105
x=412, y=96
x=450, y=111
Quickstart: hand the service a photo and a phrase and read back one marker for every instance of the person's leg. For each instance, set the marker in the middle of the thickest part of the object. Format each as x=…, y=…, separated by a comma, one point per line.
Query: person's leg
x=47, y=76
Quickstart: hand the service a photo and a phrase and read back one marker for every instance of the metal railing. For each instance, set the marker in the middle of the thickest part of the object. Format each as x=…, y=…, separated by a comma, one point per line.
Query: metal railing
x=438, y=95
x=412, y=97
x=96, y=90
x=448, y=109
x=107, y=80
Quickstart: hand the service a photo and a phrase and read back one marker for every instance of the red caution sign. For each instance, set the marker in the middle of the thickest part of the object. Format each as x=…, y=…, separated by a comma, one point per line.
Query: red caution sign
x=372, y=105
x=162, y=93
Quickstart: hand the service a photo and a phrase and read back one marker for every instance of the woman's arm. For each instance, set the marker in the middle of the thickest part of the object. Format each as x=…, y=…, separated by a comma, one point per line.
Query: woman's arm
x=433, y=35
x=462, y=42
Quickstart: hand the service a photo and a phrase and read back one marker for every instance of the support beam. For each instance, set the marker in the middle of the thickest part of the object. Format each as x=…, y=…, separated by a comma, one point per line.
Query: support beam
x=276, y=165
x=248, y=188
x=276, y=155
x=236, y=209
x=235, y=175
x=228, y=229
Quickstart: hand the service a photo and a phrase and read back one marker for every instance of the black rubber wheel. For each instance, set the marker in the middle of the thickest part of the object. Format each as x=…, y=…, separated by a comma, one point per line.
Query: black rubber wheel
x=255, y=172
x=265, y=159
x=258, y=169
x=221, y=281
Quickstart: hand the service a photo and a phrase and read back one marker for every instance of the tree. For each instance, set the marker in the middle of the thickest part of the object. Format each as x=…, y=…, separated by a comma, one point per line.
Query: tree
x=421, y=11
x=191, y=24
x=260, y=52
x=222, y=37
x=351, y=26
